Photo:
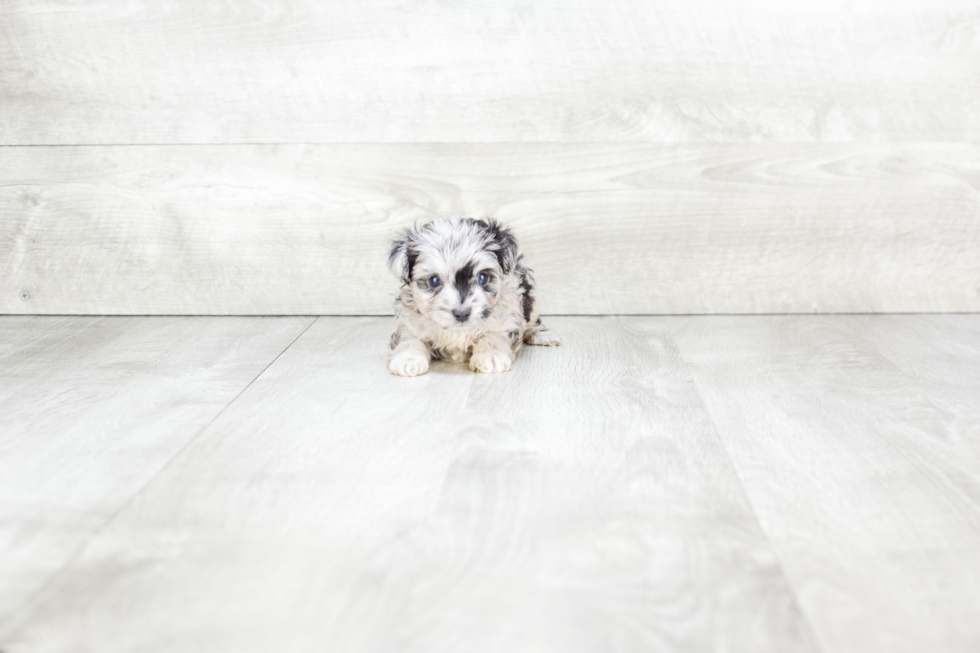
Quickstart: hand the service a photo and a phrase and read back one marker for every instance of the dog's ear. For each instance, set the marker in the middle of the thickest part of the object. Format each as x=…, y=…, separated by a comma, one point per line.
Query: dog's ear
x=502, y=243
x=401, y=256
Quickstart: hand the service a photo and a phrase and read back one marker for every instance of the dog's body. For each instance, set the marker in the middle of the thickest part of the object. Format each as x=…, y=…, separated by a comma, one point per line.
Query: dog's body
x=466, y=293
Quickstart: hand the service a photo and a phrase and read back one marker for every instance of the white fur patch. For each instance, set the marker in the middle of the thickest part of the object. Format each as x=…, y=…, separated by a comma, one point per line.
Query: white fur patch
x=408, y=364
x=544, y=338
x=489, y=362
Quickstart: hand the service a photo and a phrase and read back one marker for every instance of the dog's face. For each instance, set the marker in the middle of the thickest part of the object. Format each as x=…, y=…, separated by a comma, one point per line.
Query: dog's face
x=454, y=269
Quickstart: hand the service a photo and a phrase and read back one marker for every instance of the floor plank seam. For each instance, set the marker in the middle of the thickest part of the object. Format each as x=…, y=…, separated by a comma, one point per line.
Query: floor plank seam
x=19, y=617
x=804, y=621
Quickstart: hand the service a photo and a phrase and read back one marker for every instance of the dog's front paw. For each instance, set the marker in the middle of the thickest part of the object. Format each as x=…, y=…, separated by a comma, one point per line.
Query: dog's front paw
x=490, y=361
x=408, y=364
x=545, y=338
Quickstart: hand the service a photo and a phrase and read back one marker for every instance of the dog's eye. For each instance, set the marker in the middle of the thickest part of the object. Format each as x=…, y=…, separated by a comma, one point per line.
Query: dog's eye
x=482, y=279
x=434, y=282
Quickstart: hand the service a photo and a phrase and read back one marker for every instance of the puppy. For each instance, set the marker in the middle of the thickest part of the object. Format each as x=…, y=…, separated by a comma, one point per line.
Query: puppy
x=465, y=294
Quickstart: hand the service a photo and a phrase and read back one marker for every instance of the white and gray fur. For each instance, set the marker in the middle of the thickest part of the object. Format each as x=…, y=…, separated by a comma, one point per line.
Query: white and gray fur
x=466, y=294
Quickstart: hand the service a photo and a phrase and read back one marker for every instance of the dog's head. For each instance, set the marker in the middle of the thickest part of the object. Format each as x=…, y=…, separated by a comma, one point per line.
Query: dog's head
x=454, y=268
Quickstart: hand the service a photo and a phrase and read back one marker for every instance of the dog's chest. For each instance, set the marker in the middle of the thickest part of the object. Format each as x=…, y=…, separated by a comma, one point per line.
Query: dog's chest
x=453, y=345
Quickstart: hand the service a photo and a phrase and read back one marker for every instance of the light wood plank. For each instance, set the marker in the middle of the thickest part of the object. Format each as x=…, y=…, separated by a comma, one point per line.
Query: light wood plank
x=181, y=71
x=581, y=502
x=868, y=489
x=941, y=357
x=91, y=409
x=608, y=228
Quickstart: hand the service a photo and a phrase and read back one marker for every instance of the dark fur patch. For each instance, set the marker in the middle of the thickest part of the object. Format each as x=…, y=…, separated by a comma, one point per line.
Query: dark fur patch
x=488, y=311
x=396, y=338
x=438, y=354
x=501, y=242
x=402, y=246
x=464, y=279
x=527, y=301
x=411, y=255
x=515, y=338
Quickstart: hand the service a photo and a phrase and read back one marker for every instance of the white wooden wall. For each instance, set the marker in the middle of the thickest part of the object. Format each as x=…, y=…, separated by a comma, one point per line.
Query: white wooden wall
x=658, y=156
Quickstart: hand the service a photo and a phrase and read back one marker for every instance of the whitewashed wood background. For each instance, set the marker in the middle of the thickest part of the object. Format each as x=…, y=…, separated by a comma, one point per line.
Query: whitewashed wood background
x=659, y=156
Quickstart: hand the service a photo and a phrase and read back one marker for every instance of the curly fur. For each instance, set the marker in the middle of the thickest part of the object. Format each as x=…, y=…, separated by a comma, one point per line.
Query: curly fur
x=457, y=317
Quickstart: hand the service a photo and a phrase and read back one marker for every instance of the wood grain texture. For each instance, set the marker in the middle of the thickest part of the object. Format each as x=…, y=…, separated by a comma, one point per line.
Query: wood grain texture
x=91, y=409
x=581, y=502
x=608, y=228
x=274, y=71
x=940, y=355
x=857, y=447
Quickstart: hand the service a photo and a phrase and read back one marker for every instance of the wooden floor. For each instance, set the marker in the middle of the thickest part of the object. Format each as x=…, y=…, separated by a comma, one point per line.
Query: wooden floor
x=221, y=484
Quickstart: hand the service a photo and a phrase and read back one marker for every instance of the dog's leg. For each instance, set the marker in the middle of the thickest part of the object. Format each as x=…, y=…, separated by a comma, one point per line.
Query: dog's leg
x=407, y=356
x=492, y=353
x=539, y=334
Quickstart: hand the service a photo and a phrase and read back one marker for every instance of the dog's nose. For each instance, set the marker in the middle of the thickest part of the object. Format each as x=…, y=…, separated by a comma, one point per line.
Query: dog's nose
x=461, y=314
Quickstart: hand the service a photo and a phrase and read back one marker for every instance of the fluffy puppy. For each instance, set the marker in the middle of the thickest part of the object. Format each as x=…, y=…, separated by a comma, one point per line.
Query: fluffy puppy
x=465, y=294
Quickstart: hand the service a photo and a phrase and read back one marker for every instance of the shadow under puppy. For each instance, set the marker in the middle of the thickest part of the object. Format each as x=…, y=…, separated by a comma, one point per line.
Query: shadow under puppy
x=466, y=293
